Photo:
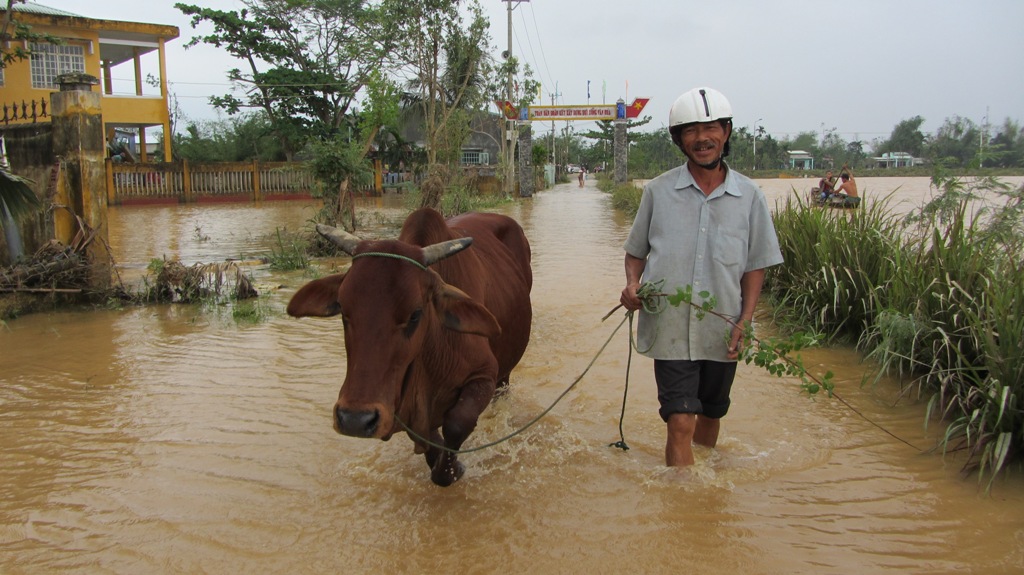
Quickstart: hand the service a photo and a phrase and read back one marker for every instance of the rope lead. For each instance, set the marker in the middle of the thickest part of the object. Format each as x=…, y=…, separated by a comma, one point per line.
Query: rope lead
x=529, y=424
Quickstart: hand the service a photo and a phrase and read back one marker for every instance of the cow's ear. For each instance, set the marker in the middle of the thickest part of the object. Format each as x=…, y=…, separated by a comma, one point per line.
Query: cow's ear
x=318, y=298
x=463, y=314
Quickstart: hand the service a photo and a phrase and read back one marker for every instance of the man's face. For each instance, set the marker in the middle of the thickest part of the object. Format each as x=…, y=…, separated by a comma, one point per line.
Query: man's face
x=704, y=142
x=828, y=174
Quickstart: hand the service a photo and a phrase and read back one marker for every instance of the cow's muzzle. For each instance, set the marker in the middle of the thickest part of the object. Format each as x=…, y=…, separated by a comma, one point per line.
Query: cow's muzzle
x=356, y=423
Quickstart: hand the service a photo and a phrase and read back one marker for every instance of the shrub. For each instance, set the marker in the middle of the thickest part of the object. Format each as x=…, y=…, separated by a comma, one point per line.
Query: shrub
x=625, y=197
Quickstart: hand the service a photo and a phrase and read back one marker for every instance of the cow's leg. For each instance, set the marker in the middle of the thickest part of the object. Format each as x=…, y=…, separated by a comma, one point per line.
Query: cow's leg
x=459, y=422
x=432, y=452
x=445, y=468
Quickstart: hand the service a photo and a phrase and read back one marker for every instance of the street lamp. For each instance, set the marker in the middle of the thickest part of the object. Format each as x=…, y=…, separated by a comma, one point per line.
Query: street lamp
x=755, y=141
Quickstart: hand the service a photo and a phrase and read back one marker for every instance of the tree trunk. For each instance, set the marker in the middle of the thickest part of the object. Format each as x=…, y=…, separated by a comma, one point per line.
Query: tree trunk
x=432, y=188
x=346, y=214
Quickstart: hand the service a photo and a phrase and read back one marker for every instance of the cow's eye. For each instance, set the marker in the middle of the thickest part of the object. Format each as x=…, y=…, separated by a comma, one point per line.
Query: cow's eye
x=414, y=321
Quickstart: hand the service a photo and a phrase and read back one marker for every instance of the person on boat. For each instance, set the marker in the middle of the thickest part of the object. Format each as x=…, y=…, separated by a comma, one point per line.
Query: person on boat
x=849, y=186
x=701, y=225
x=825, y=186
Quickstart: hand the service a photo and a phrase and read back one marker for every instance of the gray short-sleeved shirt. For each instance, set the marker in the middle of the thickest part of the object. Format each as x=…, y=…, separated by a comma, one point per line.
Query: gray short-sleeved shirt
x=707, y=242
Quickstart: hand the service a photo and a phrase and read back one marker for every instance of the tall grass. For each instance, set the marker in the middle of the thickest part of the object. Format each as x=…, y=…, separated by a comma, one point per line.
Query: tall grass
x=459, y=199
x=839, y=266
x=937, y=298
x=289, y=253
x=625, y=196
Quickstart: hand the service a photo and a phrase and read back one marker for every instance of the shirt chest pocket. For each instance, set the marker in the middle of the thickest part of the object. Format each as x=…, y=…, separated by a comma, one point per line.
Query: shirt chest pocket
x=729, y=249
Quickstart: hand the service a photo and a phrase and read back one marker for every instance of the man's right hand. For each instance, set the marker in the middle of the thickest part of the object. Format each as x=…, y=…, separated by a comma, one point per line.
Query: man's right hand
x=628, y=299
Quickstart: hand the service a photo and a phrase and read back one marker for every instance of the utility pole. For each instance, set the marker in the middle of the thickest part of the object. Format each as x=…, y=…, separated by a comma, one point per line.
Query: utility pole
x=981, y=140
x=554, y=95
x=755, y=140
x=508, y=54
x=508, y=126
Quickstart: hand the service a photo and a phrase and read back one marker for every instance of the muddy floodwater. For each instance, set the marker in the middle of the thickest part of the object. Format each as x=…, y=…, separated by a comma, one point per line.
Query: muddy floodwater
x=177, y=439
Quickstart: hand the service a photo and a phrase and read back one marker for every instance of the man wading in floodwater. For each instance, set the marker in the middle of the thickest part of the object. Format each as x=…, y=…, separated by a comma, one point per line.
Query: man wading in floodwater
x=709, y=227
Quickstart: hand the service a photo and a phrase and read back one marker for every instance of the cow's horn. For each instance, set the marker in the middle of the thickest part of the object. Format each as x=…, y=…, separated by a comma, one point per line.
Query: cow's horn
x=437, y=252
x=344, y=240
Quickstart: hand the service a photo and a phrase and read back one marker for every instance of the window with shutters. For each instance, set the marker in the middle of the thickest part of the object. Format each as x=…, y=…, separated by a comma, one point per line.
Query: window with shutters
x=49, y=61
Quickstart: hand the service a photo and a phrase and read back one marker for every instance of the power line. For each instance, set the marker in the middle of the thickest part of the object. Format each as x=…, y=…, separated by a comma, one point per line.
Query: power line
x=541, y=44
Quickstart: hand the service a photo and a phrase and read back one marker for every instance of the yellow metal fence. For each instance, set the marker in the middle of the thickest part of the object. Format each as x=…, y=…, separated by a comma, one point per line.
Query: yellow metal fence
x=184, y=182
x=187, y=182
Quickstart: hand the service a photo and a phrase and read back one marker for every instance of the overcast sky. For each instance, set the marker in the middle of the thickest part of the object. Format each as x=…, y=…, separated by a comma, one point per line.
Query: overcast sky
x=858, y=66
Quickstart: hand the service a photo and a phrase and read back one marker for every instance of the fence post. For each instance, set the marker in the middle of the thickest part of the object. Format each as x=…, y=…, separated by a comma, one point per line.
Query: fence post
x=186, y=180
x=257, y=195
x=111, y=196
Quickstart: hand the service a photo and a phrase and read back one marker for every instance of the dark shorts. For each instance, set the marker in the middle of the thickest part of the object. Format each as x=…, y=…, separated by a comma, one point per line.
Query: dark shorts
x=694, y=386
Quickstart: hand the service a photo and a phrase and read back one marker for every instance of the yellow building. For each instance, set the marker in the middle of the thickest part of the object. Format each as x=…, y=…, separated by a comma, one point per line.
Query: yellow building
x=128, y=56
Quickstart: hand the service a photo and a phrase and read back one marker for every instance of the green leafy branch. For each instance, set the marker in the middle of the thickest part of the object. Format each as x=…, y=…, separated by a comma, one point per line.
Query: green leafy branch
x=774, y=355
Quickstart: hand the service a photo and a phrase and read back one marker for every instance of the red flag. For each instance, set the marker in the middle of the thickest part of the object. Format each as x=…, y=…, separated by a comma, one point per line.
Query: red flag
x=507, y=109
x=633, y=110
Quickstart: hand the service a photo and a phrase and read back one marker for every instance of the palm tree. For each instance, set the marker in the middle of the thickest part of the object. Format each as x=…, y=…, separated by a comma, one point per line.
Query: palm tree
x=16, y=200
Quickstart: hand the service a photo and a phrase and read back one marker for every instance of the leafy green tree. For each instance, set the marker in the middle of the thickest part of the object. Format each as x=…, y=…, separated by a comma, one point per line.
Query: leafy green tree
x=855, y=154
x=771, y=153
x=340, y=160
x=956, y=143
x=441, y=49
x=652, y=153
x=524, y=88
x=243, y=137
x=906, y=137
x=306, y=60
x=741, y=148
x=15, y=35
x=833, y=150
x=538, y=155
x=806, y=141
x=605, y=137
x=1008, y=145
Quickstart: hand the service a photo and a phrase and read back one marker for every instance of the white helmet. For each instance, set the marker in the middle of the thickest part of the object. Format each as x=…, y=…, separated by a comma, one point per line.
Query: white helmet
x=699, y=105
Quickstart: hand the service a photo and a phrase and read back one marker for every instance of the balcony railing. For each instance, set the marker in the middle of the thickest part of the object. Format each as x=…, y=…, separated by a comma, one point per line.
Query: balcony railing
x=34, y=111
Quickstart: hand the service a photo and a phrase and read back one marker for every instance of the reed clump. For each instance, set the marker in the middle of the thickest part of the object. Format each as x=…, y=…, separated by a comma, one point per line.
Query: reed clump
x=625, y=196
x=175, y=282
x=936, y=297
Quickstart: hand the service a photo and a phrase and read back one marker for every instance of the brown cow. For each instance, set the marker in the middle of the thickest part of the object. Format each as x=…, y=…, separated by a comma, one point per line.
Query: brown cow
x=427, y=347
